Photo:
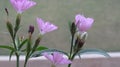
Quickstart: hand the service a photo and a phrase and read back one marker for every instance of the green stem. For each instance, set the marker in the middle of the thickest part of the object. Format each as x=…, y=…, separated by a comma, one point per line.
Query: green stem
x=71, y=58
x=25, y=63
x=71, y=48
x=18, y=59
x=69, y=65
x=26, y=59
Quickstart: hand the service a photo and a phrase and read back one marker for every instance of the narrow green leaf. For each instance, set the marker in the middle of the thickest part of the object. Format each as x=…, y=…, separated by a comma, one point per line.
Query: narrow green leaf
x=17, y=42
x=93, y=51
x=6, y=47
x=23, y=43
x=11, y=53
x=41, y=48
x=39, y=53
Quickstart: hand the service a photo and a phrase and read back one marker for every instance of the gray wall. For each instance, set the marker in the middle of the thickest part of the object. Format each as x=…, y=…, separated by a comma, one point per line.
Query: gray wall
x=104, y=34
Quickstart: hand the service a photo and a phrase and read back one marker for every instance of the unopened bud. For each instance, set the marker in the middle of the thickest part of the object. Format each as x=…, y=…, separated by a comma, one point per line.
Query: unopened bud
x=84, y=36
x=10, y=28
x=37, y=41
x=79, y=44
x=73, y=28
x=17, y=25
x=31, y=29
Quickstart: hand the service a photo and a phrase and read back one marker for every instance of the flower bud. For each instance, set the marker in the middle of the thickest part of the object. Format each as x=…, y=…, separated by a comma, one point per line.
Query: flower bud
x=37, y=41
x=10, y=28
x=78, y=44
x=73, y=28
x=17, y=25
x=31, y=29
x=84, y=36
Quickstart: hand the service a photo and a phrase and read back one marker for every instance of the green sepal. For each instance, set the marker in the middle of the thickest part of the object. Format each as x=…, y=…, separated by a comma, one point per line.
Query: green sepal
x=17, y=25
x=10, y=28
x=39, y=53
x=72, y=27
x=36, y=44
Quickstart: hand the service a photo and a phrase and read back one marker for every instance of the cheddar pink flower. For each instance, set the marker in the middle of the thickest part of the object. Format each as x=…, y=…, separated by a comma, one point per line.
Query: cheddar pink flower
x=22, y=5
x=57, y=58
x=83, y=23
x=45, y=27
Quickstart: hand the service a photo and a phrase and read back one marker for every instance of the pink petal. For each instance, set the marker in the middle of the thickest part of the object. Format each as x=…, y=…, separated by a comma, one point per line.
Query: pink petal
x=45, y=27
x=91, y=20
x=22, y=5
x=59, y=59
x=65, y=61
x=40, y=24
x=50, y=27
x=49, y=57
x=83, y=23
x=79, y=18
x=86, y=25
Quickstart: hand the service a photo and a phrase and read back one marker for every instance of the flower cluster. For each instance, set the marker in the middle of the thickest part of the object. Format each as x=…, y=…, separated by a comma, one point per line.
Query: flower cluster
x=78, y=31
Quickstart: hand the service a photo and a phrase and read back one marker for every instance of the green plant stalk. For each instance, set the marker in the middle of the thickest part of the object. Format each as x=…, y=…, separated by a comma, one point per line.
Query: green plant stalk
x=72, y=57
x=28, y=48
x=26, y=59
x=16, y=53
x=13, y=38
x=16, y=49
x=18, y=60
x=71, y=50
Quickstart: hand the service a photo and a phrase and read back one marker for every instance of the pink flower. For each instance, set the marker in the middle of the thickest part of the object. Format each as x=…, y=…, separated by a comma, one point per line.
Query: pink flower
x=45, y=27
x=22, y=5
x=57, y=58
x=83, y=23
